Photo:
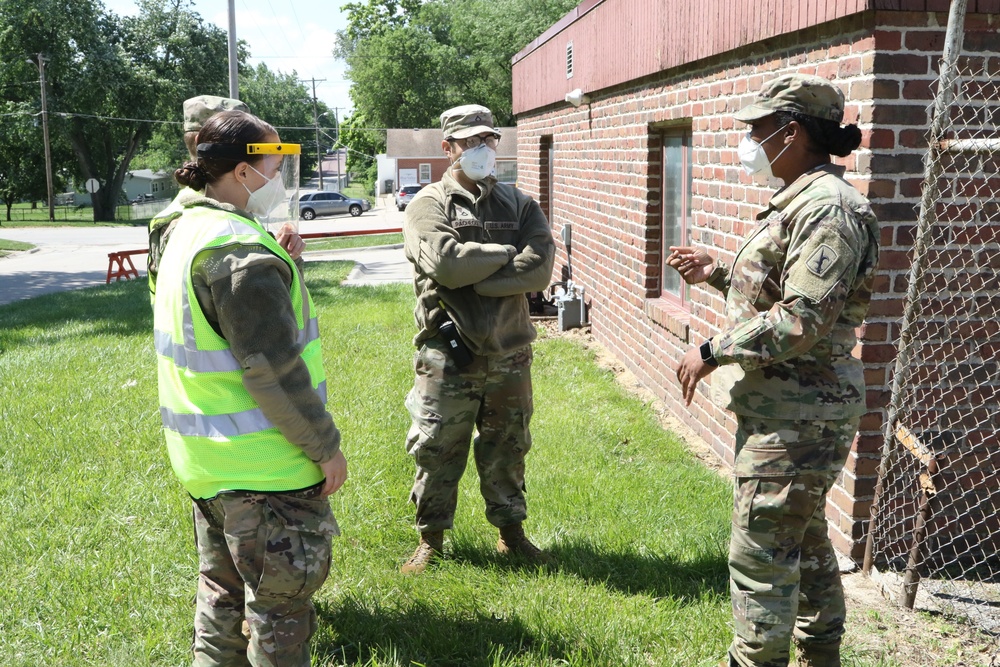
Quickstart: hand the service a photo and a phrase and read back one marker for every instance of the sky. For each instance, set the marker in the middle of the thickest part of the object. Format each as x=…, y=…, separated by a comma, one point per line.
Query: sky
x=287, y=35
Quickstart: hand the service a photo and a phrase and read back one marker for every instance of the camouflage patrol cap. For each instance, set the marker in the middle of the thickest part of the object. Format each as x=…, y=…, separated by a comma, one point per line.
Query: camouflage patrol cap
x=199, y=109
x=466, y=121
x=804, y=93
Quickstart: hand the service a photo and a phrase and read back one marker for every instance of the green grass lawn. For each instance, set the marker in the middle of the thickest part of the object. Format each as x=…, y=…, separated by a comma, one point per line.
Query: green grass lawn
x=96, y=541
x=6, y=246
x=362, y=241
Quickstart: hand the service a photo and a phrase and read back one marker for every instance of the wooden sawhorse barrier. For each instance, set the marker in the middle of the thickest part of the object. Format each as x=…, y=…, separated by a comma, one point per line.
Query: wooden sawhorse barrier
x=120, y=265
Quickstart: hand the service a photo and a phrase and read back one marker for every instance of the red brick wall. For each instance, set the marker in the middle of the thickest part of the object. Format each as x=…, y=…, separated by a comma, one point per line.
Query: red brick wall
x=438, y=167
x=605, y=183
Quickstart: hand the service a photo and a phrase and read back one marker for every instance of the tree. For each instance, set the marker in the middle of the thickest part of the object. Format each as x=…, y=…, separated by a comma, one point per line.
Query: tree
x=374, y=17
x=363, y=145
x=104, y=69
x=409, y=61
x=22, y=157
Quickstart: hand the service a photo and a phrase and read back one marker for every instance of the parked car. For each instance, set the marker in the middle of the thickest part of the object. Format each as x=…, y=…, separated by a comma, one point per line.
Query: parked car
x=405, y=194
x=312, y=204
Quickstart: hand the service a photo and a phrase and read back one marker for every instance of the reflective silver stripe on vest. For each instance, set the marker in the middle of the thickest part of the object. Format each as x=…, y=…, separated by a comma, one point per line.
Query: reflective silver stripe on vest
x=200, y=361
x=311, y=332
x=215, y=426
x=214, y=361
x=224, y=426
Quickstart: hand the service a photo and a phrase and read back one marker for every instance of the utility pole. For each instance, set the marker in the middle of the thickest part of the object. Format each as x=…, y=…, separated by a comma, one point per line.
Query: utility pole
x=45, y=137
x=319, y=153
x=234, y=87
x=336, y=145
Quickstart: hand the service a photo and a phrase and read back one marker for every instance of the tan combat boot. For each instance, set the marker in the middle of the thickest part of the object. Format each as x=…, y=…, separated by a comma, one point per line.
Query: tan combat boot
x=514, y=542
x=430, y=548
x=818, y=655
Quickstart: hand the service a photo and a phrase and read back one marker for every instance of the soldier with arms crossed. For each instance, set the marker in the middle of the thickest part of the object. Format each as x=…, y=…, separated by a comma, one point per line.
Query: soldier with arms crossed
x=477, y=246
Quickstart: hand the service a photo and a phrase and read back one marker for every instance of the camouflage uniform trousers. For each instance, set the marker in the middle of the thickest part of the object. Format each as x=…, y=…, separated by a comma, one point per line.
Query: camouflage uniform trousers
x=261, y=558
x=784, y=577
x=492, y=394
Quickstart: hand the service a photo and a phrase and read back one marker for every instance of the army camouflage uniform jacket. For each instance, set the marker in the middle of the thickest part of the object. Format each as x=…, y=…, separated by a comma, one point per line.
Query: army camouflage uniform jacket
x=479, y=257
x=799, y=287
x=263, y=337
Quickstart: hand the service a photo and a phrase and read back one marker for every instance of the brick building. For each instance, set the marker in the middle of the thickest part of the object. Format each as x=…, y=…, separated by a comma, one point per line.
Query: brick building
x=420, y=159
x=632, y=143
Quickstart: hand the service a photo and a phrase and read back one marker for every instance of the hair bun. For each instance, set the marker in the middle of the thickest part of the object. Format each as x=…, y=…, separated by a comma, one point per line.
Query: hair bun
x=845, y=140
x=191, y=175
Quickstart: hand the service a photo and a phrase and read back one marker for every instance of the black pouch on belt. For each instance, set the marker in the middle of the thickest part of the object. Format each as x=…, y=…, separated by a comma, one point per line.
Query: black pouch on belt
x=214, y=518
x=457, y=348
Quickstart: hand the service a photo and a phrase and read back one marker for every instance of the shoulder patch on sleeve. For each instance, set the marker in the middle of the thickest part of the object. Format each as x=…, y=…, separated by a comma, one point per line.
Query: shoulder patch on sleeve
x=822, y=260
x=827, y=262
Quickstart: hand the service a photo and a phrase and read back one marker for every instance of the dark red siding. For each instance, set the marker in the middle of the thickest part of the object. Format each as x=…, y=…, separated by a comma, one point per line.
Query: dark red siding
x=615, y=41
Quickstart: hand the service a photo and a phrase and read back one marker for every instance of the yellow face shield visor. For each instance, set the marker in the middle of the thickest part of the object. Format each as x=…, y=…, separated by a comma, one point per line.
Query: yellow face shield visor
x=282, y=158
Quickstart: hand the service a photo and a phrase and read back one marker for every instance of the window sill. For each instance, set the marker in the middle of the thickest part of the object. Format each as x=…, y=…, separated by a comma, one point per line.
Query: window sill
x=670, y=316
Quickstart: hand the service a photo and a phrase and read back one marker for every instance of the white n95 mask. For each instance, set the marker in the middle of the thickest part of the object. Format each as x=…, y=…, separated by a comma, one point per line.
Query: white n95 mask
x=266, y=198
x=478, y=162
x=752, y=155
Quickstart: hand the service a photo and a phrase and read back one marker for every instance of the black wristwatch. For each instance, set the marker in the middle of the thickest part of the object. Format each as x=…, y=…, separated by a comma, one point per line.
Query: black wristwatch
x=706, y=354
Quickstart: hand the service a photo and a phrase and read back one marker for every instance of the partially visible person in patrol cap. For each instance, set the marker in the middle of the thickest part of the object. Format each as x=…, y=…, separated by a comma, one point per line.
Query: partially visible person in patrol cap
x=197, y=110
x=782, y=362
x=477, y=247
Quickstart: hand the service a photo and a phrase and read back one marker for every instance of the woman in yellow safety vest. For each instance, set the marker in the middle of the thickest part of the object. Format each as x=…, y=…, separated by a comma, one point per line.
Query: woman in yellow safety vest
x=242, y=398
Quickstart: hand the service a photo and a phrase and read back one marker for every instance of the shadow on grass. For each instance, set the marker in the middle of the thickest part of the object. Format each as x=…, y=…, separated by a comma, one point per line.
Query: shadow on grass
x=660, y=576
x=415, y=632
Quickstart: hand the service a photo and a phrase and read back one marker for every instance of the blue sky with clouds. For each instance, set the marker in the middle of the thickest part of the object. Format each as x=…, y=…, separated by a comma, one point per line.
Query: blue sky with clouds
x=287, y=35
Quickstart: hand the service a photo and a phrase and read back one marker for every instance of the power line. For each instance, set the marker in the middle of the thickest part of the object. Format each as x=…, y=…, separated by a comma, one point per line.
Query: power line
x=67, y=114
x=70, y=114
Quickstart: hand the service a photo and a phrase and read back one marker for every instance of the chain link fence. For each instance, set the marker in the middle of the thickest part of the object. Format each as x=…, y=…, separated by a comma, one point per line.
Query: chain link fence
x=934, y=540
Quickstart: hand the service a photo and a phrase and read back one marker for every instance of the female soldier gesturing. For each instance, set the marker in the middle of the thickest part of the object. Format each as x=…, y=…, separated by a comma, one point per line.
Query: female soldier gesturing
x=799, y=286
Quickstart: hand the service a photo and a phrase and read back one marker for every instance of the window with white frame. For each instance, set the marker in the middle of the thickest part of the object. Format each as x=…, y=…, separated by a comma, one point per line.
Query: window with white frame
x=676, y=188
x=507, y=171
x=425, y=172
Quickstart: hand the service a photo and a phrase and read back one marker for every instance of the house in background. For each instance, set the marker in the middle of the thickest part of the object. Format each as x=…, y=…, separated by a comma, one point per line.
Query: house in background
x=420, y=160
x=147, y=184
x=632, y=144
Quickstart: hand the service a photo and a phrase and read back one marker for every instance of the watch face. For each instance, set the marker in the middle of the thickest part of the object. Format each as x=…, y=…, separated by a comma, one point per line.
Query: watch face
x=706, y=353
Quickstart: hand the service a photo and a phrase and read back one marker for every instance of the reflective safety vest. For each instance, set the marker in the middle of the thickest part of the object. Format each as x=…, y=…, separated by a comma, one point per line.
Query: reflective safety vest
x=217, y=437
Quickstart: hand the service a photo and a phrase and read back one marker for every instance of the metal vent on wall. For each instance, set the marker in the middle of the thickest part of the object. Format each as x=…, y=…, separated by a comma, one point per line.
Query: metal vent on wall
x=569, y=60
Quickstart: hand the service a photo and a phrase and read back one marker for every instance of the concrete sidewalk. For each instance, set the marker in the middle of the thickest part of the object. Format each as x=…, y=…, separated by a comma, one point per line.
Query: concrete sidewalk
x=372, y=266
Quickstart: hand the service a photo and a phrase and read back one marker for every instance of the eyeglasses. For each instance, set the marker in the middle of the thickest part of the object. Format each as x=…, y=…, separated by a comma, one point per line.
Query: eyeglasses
x=491, y=140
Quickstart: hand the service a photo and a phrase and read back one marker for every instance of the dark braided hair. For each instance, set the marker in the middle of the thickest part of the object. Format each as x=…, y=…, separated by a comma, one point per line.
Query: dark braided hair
x=235, y=128
x=826, y=136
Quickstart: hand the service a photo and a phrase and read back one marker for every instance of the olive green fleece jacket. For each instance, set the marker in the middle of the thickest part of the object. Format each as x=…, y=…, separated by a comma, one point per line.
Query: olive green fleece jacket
x=478, y=256
x=244, y=291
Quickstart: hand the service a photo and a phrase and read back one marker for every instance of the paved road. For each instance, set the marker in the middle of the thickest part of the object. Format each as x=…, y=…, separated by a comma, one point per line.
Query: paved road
x=74, y=257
